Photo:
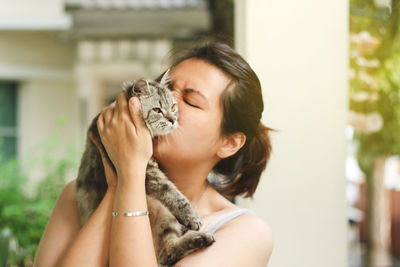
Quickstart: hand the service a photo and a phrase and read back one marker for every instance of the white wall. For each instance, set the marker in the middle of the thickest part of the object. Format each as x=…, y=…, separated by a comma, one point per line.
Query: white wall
x=33, y=15
x=30, y=54
x=299, y=51
x=43, y=66
x=47, y=109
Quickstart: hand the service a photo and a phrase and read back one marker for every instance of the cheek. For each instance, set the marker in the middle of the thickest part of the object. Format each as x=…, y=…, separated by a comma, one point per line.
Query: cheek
x=189, y=118
x=198, y=127
x=197, y=137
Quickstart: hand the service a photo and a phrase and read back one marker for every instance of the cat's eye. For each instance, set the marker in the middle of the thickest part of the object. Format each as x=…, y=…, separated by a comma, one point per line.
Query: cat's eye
x=173, y=108
x=158, y=110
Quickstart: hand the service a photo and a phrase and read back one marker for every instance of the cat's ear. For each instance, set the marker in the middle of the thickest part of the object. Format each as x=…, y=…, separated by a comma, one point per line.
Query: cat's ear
x=165, y=78
x=128, y=88
x=141, y=87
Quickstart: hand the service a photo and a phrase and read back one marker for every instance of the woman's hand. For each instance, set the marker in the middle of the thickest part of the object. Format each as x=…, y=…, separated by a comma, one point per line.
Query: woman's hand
x=111, y=176
x=124, y=135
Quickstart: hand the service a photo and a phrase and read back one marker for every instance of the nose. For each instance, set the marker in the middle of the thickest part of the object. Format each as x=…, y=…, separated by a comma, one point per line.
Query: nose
x=171, y=121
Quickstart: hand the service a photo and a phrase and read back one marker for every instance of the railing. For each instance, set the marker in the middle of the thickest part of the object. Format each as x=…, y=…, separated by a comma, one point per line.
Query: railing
x=133, y=4
x=92, y=51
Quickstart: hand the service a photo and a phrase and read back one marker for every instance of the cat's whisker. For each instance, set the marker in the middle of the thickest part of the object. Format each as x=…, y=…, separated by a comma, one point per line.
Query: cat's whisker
x=166, y=138
x=161, y=138
x=179, y=131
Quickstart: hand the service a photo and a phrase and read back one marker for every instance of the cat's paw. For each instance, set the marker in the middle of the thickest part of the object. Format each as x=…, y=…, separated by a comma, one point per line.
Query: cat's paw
x=192, y=222
x=201, y=240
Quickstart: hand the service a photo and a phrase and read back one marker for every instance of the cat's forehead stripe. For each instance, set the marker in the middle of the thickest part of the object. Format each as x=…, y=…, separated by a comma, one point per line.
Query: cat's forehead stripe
x=164, y=95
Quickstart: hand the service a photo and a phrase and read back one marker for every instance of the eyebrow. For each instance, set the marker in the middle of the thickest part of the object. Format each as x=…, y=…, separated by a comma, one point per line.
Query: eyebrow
x=191, y=90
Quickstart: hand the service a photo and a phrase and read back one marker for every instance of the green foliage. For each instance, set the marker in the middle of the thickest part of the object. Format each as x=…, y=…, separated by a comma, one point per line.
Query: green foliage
x=25, y=211
x=387, y=140
x=384, y=92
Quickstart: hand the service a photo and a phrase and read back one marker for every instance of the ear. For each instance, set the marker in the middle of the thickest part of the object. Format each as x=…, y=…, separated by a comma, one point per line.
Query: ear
x=165, y=78
x=141, y=87
x=231, y=144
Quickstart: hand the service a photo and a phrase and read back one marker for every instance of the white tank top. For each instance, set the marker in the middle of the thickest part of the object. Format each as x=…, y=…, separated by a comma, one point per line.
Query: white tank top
x=216, y=223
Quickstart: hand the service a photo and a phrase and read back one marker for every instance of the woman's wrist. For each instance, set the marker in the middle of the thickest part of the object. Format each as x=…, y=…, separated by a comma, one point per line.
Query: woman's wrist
x=131, y=175
x=130, y=194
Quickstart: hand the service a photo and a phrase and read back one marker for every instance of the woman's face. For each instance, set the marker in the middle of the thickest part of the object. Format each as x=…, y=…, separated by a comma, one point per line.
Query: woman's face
x=197, y=87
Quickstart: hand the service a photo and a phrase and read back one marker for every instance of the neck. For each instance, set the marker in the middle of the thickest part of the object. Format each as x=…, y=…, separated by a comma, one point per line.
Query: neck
x=191, y=181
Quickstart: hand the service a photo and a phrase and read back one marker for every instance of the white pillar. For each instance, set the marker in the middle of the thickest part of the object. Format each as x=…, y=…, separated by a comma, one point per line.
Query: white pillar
x=299, y=51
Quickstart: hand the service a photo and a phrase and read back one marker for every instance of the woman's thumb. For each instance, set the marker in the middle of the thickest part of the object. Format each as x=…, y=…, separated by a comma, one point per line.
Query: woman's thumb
x=135, y=111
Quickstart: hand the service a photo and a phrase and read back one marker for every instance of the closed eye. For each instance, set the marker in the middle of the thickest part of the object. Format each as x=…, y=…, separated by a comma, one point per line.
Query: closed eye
x=190, y=104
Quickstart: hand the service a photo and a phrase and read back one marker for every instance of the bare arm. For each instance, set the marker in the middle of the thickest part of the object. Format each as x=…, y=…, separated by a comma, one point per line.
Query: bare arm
x=61, y=230
x=91, y=245
x=131, y=239
x=129, y=146
x=65, y=243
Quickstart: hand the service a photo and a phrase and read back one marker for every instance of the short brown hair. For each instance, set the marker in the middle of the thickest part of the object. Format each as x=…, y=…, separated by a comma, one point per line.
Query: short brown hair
x=242, y=108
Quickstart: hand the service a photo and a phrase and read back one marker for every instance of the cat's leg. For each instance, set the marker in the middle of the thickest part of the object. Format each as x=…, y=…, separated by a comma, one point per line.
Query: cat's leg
x=169, y=243
x=175, y=249
x=87, y=203
x=158, y=185
x=91, y=183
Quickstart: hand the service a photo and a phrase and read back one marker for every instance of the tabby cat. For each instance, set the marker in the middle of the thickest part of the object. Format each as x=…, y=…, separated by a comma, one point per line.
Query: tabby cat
x=171, y=214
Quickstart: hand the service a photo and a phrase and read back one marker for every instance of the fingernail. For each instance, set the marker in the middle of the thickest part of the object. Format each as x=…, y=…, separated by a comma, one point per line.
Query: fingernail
x=135, y=101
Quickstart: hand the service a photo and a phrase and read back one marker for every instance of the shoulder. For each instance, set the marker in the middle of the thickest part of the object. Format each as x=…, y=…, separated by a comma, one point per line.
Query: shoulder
x=68, y=192
x=244, y=241
x=65, y=210
x=252, y=224
x=66, y=203
x=253, y=234
x=66, y=200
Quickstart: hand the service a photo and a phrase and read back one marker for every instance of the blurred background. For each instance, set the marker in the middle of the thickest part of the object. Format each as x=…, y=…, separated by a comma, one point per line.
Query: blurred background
x=330, y=72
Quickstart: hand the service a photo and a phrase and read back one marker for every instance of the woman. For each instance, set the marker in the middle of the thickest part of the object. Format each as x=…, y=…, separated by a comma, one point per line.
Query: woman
x=220, y=105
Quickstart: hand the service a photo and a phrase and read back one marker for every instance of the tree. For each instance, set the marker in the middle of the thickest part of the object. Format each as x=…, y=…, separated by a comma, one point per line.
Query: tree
x=375, y=91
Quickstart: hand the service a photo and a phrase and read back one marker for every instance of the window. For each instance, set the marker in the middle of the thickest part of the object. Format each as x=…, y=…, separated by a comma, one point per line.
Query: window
x=8, y=118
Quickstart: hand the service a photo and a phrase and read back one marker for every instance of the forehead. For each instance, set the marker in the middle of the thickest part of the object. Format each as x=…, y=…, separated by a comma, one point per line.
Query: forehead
x=201, y=76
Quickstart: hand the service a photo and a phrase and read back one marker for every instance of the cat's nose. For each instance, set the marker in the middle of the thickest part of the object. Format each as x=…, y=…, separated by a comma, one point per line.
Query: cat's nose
x=171, y=121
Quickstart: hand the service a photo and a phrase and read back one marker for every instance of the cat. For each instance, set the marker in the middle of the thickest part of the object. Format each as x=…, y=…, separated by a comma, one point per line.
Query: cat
x=170, y=212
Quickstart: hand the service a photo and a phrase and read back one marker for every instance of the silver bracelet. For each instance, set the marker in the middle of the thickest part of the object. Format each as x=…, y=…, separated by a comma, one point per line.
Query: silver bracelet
x=136, y=213
x=132, y=214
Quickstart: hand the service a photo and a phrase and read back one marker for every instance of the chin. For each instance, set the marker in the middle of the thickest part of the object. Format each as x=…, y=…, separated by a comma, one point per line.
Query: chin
x=159, y=148
x=165, y=149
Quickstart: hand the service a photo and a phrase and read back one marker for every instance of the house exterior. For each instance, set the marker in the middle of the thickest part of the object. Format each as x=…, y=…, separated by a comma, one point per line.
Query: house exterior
x=55, y=64
x=65, y=60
